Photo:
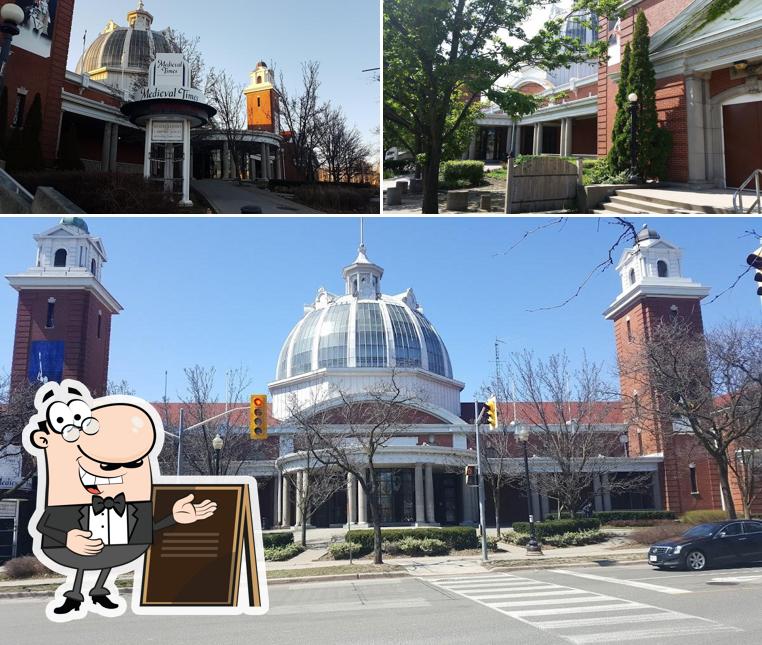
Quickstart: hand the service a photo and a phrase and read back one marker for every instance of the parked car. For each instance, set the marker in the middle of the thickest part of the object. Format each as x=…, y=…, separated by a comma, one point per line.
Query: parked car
x=712, y=544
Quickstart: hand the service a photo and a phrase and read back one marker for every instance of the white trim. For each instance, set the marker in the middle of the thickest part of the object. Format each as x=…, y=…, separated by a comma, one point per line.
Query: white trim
x=64, y=281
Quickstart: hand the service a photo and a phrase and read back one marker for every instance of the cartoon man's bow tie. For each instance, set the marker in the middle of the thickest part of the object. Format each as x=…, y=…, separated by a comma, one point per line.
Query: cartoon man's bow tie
x=118, y=503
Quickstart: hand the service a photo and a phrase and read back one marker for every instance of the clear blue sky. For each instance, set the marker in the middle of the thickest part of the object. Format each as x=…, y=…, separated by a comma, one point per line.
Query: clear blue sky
x=343, y=36
x=226, y=292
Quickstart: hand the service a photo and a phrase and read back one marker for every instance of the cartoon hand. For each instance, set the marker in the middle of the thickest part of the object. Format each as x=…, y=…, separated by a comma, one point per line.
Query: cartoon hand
x=186, y=513
x=79, y=542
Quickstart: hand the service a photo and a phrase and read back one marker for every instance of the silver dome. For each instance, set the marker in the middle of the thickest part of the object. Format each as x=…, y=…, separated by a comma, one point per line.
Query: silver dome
x=349, y=332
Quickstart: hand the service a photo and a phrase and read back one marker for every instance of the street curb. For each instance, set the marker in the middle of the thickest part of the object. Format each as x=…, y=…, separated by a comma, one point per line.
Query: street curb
x=539, y=564
x=274, y=581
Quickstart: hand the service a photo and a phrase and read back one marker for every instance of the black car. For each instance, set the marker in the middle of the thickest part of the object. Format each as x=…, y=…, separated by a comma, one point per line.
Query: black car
x=712, y=544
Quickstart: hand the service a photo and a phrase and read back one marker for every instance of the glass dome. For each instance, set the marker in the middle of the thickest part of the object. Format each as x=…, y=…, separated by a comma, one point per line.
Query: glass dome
x=348, y=332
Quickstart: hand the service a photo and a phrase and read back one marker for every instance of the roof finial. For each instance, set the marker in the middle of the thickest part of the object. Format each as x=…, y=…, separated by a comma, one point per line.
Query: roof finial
x=362, y=235
x=141, y=6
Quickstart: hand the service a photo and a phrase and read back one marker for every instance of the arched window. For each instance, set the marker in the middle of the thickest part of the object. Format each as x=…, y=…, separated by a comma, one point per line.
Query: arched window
x=259, y=80
x=259, y=102
x=93, y=266
x=632, y=276
x=661, y=269
x=59, y=259
x=51, y=317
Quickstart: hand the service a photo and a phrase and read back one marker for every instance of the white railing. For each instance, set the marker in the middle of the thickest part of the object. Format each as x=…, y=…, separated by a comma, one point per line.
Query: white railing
x=738, y=197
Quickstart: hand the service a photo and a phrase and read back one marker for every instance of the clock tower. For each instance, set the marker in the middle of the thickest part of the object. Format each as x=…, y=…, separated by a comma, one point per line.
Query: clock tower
x=262, y=102
x=63, y=321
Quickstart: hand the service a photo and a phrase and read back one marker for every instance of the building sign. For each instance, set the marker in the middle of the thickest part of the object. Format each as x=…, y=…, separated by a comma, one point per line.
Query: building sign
x=169, y=78
x=46, y=361
x=167, y=132
x=37, y=28
x=10, y=470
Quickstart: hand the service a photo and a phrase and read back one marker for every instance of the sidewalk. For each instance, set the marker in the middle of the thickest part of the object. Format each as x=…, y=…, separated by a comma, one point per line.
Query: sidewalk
x=227, y=197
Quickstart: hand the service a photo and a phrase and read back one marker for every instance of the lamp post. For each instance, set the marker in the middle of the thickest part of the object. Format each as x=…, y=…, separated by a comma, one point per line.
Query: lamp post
x=522, y=434
x=634, y=178
x=217, y=444
x=12, y=16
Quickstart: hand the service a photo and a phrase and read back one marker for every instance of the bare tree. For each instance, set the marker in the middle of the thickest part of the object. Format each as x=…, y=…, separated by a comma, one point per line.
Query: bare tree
x=347, y=431
x=16, y=407
x=226, y=96
x=303, y=113
x=567, y=411
x=119, y=387
x=319, y=482
x=201, y=402
x=190, y=48
x=710, y=385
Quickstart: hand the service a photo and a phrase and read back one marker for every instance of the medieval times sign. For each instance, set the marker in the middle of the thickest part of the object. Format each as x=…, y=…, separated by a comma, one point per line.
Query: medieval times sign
x=169, y=78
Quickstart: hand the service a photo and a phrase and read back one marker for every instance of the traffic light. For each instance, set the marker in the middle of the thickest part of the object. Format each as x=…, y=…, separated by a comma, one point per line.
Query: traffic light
x=490, y=412
x=471, y=479
x=755, y=261
x=258, y=417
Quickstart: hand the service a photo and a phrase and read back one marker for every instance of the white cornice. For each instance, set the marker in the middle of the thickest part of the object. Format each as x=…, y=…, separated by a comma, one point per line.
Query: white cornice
x=644, y=290
x=350, y=372
x=68, y=280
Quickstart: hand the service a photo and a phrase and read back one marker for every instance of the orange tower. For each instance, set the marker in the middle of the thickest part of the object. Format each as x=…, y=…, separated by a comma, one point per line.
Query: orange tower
x=262, y=105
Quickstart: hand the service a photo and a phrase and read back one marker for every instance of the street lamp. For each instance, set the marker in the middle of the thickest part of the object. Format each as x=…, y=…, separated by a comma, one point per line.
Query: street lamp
x=217, y=444
x=522, y=434
x=12, y=16
x=633, y=178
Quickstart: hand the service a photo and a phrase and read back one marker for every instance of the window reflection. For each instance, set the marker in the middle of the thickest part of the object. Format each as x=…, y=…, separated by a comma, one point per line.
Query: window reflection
x=332, y=350
x=406, y=343
x=302, y=355
x=370, y=337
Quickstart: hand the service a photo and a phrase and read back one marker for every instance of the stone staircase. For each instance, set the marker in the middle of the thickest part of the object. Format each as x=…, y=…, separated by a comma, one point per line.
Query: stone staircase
x=630, y=202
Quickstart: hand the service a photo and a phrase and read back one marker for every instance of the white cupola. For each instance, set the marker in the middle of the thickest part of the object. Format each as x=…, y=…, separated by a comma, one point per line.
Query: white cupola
x=652, y=267
x=69, y=248
x=362, y=278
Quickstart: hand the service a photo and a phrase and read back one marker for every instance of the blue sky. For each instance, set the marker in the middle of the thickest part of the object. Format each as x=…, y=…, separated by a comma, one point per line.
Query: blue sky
x=343, y=36
x=226, y=292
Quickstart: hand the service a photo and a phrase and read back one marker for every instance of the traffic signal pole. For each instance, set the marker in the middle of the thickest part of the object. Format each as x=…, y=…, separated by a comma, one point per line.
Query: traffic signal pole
x=480, y=481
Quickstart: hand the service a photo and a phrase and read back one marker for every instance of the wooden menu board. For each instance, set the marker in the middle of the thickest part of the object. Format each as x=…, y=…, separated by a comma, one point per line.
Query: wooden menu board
x=199, y=564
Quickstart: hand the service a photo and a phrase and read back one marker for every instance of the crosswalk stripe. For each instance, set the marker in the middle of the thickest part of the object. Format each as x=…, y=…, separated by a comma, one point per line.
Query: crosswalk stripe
x=612, y=620
x=535, y=594
x=487, y=583
x=552, y=601
x=469, y=591
x=646, y=634
x=628, y=583
x=622, y=605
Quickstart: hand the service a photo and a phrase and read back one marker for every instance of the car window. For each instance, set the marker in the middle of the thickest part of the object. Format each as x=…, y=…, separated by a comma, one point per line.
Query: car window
x=732, y=529
x=752, y=527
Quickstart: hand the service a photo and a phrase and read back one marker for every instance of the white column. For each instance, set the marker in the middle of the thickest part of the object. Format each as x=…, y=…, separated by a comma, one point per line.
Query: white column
x=276, y=500
x=278, y=174
x=351, y=510
x=597, y=501
x=362, y=503
x=544, y=506
x=472, y=146
x=606, y=492
x=265, y=161
x=420, y=516
x=656, y=490
x=285, y=515
x=106, y=148
x=299, y=493
x=566, y=137
x=429, y=474
x=114, y=147
x=537, y=143
x=186, y=201
x=466, y=502
x=225, y=160
x=147, y=151
x=696, y=93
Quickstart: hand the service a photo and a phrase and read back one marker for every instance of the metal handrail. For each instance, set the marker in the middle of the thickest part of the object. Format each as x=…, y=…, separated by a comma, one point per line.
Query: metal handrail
x=738, y=197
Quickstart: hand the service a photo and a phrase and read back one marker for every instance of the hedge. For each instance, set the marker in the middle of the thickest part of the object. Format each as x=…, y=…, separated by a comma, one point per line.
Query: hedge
x=465, y=173
x=700, y=517
x=609, y=516
x=455, y=537
x=279, y=553
x=340, y=550
x=280, y=539
x=559, y=527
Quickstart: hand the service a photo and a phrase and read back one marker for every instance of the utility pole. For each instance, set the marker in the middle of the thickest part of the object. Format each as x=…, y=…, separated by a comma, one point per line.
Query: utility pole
x=180, y=441
x=480, y=480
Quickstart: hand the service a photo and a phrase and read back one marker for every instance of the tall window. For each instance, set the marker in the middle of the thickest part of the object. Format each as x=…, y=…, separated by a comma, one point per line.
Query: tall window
x=632, y=276
x=93, y=267
x=370, y=336
x=100, y=323
x=661, y=269
x=692, y=473
x=18, y=112
x=406, y=343
x=332, y=346
x=51, y=317
x=630, y=337
x=59, y=260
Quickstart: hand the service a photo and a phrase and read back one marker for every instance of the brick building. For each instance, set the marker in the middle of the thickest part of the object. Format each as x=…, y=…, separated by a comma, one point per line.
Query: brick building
x=708, y=65
x=88, y=99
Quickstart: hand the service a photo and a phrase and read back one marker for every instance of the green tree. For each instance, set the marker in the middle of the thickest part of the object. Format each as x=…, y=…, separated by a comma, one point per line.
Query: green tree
x=435, y=50
x=619, y=155
x=68, y=152
x=24, y=150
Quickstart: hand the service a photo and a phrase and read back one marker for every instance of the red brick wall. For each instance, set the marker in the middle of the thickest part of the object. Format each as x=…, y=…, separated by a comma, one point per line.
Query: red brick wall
x=670, y=105
x=75, y=322
x=531, y=88
x=583, y=92
x=721, y=81
x=44, y=76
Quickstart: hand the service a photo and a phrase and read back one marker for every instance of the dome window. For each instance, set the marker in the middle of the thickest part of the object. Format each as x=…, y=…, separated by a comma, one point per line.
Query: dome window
x=661, y=269
x=59, y=260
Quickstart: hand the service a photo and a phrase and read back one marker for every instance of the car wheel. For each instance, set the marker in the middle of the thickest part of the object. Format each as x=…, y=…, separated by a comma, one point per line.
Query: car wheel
x=695, y=561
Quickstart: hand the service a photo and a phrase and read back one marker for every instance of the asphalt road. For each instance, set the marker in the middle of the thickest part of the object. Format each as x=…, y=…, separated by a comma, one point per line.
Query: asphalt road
x=575, y=605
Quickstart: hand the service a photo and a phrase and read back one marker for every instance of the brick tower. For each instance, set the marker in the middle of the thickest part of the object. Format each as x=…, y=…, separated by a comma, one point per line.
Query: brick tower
x=654, y=290
x=63, y=323
x=262, y=104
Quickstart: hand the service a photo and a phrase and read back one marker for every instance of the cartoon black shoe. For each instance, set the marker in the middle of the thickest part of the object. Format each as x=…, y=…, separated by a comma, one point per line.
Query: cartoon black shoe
x=68, y=606
x=104, y=602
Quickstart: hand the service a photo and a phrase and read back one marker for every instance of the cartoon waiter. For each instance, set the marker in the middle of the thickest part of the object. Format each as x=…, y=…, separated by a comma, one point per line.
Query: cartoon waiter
x=94, y=463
